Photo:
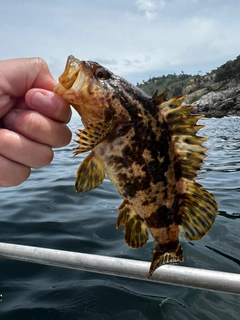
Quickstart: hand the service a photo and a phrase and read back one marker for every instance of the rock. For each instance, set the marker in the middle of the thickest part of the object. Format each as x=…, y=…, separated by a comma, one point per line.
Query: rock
x=219, y=104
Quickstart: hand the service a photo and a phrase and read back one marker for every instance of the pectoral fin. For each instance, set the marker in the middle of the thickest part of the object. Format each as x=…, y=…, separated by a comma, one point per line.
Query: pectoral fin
x=90, y=174
x=135, y=227
x=91, y=136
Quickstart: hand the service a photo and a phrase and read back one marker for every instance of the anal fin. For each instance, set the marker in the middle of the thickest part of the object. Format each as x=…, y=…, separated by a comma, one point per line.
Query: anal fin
x=90, y=174
x=135, y=227
x=198, y=210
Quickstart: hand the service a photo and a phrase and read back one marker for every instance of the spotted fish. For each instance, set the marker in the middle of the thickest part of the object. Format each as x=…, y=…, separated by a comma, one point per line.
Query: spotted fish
x=149, y=149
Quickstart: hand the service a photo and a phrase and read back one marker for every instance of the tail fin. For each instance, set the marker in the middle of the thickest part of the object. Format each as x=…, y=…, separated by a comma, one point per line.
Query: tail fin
x=161, y=257
x=197, y=211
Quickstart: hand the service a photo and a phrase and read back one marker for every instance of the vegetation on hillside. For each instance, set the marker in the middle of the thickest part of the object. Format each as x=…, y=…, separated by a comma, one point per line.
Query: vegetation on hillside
x=225, y=76
x=229, y=71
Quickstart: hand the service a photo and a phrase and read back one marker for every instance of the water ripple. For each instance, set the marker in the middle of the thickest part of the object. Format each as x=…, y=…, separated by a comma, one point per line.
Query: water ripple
x=45, y=211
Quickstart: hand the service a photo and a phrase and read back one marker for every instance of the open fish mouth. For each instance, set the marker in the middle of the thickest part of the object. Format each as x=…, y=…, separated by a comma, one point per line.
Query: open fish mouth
x=79, y=86
x=72, y=78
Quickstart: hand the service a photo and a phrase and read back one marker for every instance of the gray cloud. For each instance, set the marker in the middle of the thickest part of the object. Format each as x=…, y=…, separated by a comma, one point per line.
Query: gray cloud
x=134, y=39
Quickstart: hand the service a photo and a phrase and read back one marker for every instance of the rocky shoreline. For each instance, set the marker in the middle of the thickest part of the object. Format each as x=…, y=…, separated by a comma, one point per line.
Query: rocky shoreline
x=219, y=104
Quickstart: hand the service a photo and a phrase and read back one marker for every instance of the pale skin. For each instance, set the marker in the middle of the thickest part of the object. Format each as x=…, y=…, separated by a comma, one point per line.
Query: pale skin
x=32, y=119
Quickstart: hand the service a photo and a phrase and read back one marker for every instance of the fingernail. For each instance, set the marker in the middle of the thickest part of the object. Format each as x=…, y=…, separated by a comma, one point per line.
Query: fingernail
x=10, y=118
x=38, y=99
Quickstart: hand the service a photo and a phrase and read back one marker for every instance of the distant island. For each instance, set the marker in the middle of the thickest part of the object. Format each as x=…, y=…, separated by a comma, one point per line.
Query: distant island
x=216, y=94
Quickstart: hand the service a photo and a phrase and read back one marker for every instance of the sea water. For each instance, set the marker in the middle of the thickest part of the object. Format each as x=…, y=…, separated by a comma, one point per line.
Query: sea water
x=45, y=211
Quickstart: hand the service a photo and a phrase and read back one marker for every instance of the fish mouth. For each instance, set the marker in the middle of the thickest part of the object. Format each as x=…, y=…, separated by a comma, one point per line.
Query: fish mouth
x=72, y=78
x=78, y=86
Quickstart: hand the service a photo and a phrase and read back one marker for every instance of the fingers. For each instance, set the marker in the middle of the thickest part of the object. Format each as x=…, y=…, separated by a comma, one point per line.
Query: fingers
x=18, y=155
x=12, y=173
x=19, y=75
x=18, y=148
x=49, y=104
x=38, y=128
x=33, y=120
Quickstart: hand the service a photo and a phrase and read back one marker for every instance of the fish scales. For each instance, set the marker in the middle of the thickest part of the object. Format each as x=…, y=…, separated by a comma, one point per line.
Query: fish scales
x=149, y=149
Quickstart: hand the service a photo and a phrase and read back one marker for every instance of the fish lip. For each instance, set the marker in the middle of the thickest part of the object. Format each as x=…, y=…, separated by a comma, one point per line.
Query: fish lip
x=71, y=73
x=59, y=89
x=76, y=75
x=80, y=88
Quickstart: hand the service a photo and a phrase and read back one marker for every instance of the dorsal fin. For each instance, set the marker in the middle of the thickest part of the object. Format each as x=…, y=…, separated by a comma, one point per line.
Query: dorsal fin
x=198, y=208
x=161, y=97
x=187, y=145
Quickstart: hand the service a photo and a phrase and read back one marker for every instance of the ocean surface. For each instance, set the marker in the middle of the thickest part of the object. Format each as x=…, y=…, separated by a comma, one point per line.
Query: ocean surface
x=45, y=211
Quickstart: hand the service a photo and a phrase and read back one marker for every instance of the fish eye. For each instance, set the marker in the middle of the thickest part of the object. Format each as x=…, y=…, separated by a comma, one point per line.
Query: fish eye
x=102, y=74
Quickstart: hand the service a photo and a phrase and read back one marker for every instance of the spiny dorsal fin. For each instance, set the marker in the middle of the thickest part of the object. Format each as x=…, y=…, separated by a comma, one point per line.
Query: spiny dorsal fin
x=91, y=136
x=198, y=207
x=135, y=228
x=198, y=210
x=187, y=145
x=161, y=97
x=90, y=174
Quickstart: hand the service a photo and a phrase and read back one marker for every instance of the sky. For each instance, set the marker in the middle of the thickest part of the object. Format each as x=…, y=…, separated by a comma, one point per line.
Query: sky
x=135, y=39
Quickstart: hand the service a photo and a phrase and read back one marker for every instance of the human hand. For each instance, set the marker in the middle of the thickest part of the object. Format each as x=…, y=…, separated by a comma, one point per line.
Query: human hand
x=32, y=119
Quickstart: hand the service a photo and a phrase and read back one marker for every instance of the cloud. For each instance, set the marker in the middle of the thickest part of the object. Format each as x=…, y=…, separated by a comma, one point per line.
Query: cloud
x=131, y=38
x=150, y=8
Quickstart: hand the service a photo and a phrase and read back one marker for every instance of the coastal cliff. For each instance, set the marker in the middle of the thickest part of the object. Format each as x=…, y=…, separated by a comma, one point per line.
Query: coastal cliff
x=215, y=94
x=219, y=104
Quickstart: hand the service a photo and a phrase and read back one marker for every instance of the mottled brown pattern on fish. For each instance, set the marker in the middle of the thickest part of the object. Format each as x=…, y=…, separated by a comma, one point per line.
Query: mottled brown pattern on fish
x=149, y=149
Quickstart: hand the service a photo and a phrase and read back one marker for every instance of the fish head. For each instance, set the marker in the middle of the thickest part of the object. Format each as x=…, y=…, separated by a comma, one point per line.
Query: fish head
x=81, y=85
x=96, y=93
x=85, y=85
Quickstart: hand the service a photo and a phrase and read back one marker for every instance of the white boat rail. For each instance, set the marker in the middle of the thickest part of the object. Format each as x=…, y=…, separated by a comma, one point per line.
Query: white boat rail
x=134, y=269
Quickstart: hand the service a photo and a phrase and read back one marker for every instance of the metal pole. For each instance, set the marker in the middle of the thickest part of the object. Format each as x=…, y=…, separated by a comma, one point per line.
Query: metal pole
x=169, y=274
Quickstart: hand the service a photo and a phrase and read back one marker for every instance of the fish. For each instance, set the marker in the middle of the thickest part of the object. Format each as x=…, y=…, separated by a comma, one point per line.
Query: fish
x=149, y=149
